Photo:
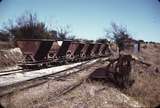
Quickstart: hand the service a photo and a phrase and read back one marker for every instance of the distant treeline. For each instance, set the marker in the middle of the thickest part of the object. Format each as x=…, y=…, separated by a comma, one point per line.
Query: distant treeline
x=28, y=26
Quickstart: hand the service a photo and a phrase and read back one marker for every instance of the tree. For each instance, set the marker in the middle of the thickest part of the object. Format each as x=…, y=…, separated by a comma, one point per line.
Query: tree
x=28, y=27
x=64, y=33
x=71, y=37
x=118, y=34
x=53, y=33
x=102, y=40
x=4, y=36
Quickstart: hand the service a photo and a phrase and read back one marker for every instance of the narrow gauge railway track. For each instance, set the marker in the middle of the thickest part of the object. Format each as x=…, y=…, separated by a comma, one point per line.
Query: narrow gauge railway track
x=24, y=75
x=21, y=70
x=14, y=71
x=10, y=70
x=3, y=73
x=9, y=83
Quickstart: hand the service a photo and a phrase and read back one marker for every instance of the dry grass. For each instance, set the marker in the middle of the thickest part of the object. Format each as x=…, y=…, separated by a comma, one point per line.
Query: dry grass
x=10, y=57
x=88, y=95
x=35, y=97
x=146, y=88
x=93, y=95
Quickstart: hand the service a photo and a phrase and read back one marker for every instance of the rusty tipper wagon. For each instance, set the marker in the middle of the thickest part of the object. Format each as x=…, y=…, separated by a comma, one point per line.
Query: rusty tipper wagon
x=89, y=51
x=78, y=51
x=49, y=52
x=68, y=50
x=96, y=49
x=73, y=50
x=35, y=51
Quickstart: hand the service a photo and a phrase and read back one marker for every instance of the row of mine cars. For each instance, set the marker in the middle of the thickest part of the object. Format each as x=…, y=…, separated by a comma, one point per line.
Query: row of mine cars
x=46, y=52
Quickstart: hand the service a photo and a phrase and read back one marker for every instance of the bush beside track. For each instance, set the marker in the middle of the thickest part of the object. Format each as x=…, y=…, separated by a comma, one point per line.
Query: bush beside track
x=10, y=57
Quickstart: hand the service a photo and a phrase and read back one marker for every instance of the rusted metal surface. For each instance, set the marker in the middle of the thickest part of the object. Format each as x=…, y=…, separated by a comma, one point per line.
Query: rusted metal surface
x=78, y=50
x=34, y=50
x=84, y=50
x=102, y=49
x=43, y=50
x=107, y=50
x=72, y=48
x=54, y=49
x=63, y=49
x=67, y=49
x=117, y=71
x=96, y=49
x=89, y=49
x=29, y=48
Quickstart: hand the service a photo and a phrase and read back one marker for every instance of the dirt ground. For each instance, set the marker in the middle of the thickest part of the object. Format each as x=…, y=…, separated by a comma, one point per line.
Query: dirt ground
x=145, y=92
x=88, y=95
x=93, y=95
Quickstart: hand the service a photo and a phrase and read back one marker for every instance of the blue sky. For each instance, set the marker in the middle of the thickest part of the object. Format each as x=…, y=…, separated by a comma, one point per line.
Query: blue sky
x=89, y=18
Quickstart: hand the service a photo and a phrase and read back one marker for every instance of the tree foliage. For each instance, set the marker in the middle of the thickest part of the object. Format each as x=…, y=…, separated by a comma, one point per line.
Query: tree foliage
x=64, y=33
x=102, y=40
x=118, y=34
x=4, y=36
x=28, y=27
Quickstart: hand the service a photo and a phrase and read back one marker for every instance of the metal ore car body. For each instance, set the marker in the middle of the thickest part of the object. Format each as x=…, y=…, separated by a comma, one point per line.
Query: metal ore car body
x=84, y=50
x=102, y=50
x=107, y=51
x=45, y=52
x=96, y=49
x=79, y=50
x=34, y=50
x=68, y=50
x=89, y=50
x=72, y=49
x=52, y=54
